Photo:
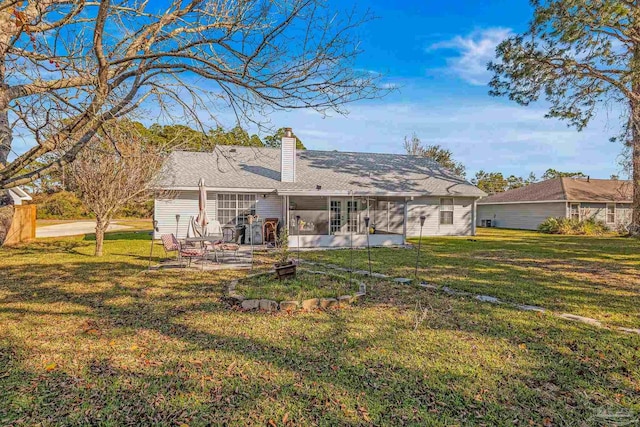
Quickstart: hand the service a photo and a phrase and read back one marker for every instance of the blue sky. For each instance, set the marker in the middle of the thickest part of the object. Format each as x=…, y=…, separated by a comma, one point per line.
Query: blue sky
x=436, y=53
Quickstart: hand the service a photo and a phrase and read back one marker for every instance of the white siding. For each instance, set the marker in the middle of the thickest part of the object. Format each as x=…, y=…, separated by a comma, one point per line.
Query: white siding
x=184, y=203
x=269, y=207
x=430, y=207
x=525, y=216
x=623, y=213
x=599, y=212
x=344, y=241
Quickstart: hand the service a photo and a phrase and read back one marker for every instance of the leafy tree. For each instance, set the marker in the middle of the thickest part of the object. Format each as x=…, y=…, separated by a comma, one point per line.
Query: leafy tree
x=181, y=137
x=490, y=182
x=495, y=182
x=414, y=147
x=275, y=140
x=578, y=54
x=552, y=173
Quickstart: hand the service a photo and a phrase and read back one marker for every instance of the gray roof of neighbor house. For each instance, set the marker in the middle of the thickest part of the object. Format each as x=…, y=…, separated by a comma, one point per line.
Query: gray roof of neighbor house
x=236, y=167
x=566, y=189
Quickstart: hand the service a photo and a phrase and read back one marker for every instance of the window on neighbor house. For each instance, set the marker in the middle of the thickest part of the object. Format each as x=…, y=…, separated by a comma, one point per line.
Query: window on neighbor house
x=611, y=213
x=233, y=209
x=446, y=211
x=575, y=211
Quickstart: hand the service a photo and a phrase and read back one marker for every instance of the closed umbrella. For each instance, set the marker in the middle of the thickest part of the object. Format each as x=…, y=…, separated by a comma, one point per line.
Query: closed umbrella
x=202, y=219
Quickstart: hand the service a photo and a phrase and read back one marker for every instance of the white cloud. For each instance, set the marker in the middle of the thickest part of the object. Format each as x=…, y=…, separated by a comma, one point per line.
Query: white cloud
x=474, y=52
x=487, y=134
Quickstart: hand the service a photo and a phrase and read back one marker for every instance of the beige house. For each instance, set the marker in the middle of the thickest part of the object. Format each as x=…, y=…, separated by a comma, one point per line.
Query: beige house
x=331, y=192
x=527, y=207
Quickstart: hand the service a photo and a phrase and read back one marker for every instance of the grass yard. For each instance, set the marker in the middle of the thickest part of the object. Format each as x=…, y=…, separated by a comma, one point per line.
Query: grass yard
x=104, y=342
x=597, y=277
x=303, y=286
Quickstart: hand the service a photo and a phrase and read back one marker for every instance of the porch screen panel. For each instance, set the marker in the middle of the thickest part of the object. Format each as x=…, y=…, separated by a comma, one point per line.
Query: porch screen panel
x=313, y=213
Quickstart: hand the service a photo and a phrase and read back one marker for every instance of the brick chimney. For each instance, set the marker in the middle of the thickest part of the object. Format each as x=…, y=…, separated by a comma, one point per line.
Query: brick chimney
x=288, y=157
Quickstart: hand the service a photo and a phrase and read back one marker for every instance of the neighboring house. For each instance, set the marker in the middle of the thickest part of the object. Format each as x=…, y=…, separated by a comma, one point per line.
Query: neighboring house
x=527, y=207
x=332, y=193
x=18, y=195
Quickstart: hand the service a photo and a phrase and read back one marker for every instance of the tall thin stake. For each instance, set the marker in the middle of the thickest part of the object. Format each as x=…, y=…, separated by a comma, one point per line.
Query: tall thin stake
x=351, y=242
x=366, y=223
x=153, y=235
x=422, y=218
x=298, y=232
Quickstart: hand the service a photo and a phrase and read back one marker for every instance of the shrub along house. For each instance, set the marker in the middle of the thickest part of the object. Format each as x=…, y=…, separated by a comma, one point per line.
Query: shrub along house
x=527, y=207
x=332, y=193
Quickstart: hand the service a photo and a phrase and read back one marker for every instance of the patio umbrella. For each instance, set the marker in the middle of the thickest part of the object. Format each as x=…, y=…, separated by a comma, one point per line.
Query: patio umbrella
x=202, y=219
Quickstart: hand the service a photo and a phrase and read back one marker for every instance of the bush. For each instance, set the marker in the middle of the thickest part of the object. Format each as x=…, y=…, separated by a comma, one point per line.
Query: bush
x=572, y=226
x=137, y=210
x=60, y=205
x=66, y=205
x=550, y=225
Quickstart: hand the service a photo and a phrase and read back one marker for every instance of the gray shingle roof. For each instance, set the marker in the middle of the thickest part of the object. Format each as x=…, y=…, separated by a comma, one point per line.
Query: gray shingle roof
x=566, y=189
x=259, y=168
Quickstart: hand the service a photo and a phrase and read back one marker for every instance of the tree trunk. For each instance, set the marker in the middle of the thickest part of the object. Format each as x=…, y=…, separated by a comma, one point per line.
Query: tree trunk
x=635, y=142
x=5, y=137
x=101, y=227
x=635, y=165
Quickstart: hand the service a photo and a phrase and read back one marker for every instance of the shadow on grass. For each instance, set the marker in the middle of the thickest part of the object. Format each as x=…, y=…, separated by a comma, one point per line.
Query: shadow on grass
x=322, y=368
x=594, y=277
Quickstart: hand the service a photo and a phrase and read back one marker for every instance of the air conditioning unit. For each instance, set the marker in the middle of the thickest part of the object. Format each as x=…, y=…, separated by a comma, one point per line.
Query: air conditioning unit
x=488, y=223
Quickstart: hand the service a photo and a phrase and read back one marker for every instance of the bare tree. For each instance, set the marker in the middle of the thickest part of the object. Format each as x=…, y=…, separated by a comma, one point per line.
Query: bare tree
x=116, y=168
x=67, y=67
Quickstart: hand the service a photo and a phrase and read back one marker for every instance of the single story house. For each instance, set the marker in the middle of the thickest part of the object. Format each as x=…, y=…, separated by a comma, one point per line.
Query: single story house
x=527, y=207
x=331, y=192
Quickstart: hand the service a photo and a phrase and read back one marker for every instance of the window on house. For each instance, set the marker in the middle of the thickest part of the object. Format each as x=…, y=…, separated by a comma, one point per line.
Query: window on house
x=575, y=211
x=446, y=211
x=233, y=209
x=611, y=213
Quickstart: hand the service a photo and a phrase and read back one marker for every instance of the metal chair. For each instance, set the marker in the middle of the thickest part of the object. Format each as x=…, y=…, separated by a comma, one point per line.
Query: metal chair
x=171, y=244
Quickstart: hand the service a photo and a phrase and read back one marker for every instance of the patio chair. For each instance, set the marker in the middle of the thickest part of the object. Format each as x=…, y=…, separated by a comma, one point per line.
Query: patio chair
x=224, y=247
x=171, y=244
x=270, y=230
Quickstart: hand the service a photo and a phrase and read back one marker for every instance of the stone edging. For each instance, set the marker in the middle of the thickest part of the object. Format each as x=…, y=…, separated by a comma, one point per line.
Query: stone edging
x=484, y=298
x=308, y=305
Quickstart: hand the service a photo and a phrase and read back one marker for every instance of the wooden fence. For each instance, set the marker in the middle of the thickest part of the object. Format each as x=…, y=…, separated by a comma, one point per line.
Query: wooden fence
x=23, y=226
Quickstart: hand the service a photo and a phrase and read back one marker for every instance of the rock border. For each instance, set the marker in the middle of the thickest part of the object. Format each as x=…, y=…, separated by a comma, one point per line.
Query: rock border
x=290, y=306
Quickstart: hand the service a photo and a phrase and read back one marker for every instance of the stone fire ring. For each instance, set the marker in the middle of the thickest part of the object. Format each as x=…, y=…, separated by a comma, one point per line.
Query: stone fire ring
x=307, y=305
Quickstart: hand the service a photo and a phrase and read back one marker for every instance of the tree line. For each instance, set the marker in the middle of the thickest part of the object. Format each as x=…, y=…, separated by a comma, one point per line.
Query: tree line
x=489, y=182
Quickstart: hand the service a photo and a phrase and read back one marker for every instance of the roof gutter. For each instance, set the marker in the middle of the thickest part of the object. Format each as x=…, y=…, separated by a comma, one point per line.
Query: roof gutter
x=481, y=203
x=368, y=193
x=319, y=193
x=219, y=189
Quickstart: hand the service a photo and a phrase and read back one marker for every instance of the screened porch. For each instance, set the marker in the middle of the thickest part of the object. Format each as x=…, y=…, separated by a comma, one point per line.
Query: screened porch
x=331, y=221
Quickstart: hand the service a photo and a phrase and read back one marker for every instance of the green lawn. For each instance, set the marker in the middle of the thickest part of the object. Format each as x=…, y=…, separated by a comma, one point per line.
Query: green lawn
x=104, y=342
x=597, y=277
x=304, y=286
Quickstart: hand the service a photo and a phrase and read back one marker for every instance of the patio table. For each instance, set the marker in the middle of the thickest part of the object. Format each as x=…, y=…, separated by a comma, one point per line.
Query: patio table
x=204, y=239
